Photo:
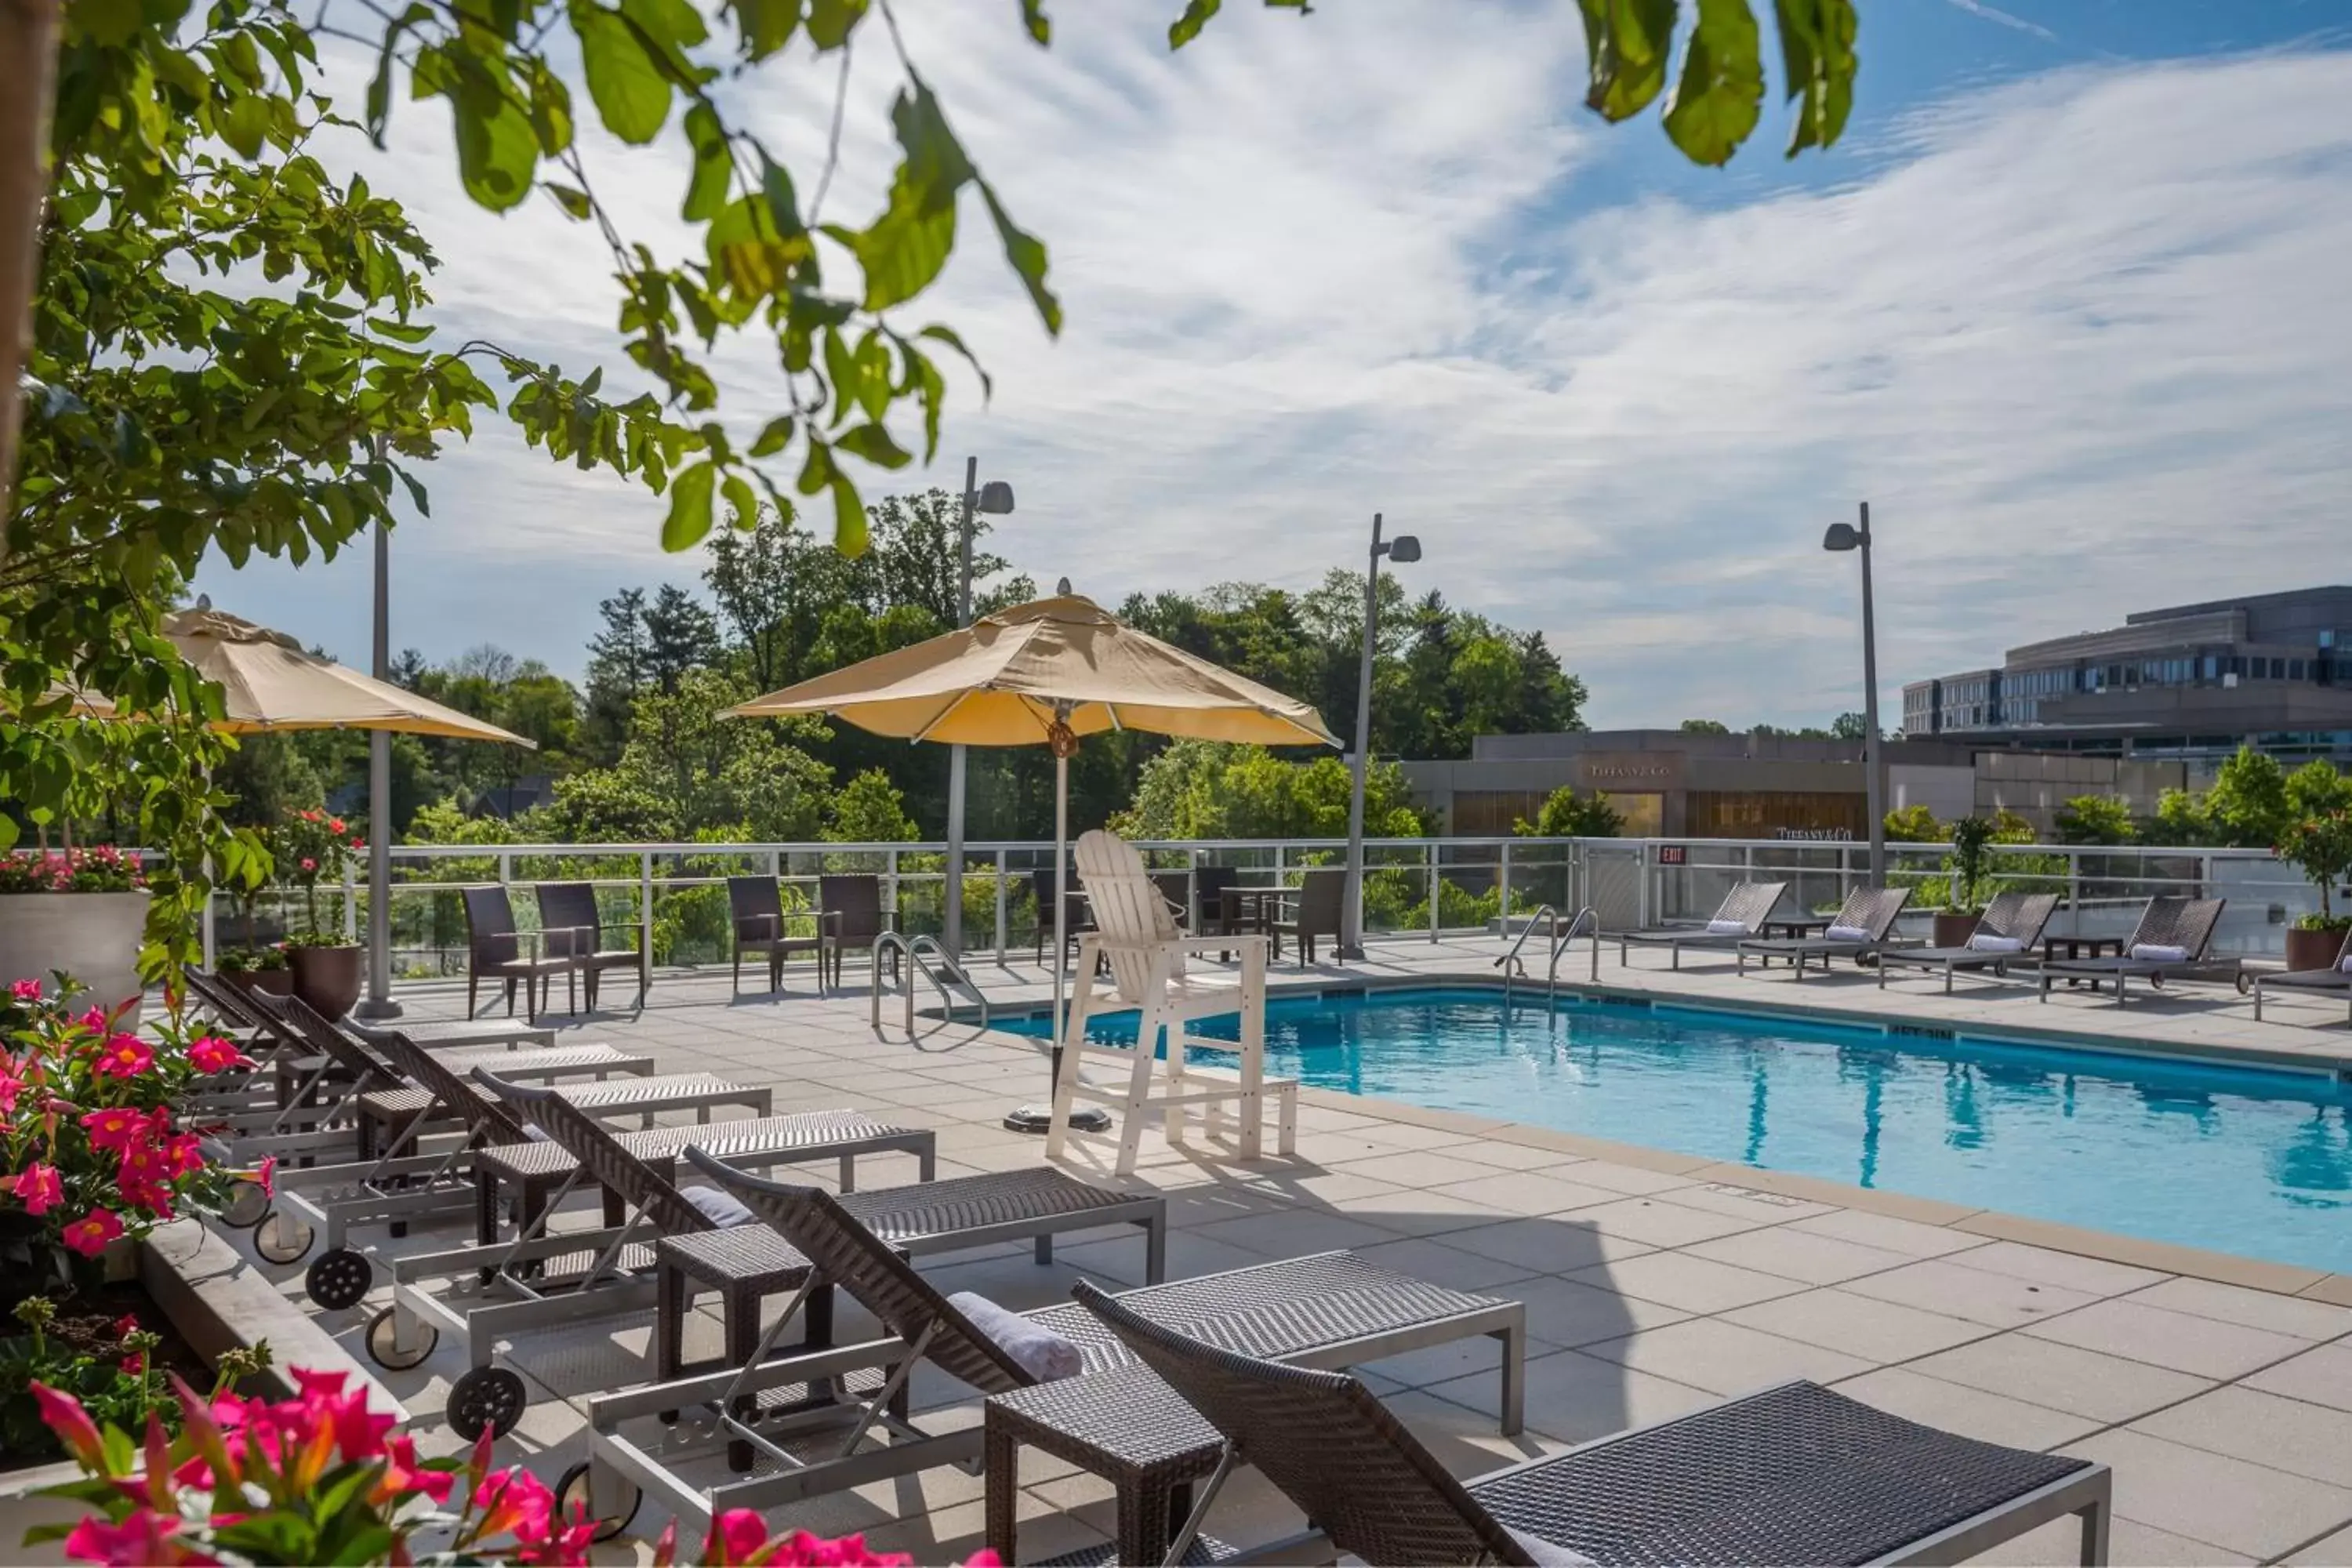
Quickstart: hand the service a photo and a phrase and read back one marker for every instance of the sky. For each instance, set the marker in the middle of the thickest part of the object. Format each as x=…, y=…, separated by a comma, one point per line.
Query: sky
x=2065, y=306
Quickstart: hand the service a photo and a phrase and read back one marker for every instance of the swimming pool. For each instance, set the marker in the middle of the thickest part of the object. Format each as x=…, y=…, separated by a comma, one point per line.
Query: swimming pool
x=2238, y=1160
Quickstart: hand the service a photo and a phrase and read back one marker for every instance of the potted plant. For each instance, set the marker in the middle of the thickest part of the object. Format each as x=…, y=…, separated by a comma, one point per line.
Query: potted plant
x=256, y=969
x=311, y=847
x=82, y=912
x=2320, y=846
x=1971, y=856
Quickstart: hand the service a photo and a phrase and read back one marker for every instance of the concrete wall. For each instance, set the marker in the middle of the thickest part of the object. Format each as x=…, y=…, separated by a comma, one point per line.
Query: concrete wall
x=2035, y=785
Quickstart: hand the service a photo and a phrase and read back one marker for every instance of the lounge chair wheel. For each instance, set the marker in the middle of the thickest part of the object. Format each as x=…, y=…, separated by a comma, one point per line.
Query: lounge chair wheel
x=279, y=1237
x=338, y=1279
x=2245, y=982
x=386, y=1355
x=571, y=1501
x=486, y=1399
x=248, y=1206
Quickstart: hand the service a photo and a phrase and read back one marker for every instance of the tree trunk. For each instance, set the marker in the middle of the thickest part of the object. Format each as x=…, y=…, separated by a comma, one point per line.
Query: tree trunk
x=28, y=55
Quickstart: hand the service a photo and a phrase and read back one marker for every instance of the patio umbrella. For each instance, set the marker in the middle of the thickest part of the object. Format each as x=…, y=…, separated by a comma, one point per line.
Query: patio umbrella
x=1047, y=673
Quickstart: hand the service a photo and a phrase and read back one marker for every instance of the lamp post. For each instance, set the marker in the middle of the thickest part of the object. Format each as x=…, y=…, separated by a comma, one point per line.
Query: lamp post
x=378, y=1003
x=1841, y=537
x=995, y=499
x=1404, y=549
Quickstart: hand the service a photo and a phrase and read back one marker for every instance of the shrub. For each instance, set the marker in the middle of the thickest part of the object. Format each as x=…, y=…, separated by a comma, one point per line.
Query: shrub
x=2321, y=848
x=1568, y=815
x=101, y=870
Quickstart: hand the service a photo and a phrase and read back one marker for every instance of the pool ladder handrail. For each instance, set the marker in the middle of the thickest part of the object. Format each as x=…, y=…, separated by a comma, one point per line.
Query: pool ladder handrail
x=918, y=952
x=1510, y=964
x=1586, y=921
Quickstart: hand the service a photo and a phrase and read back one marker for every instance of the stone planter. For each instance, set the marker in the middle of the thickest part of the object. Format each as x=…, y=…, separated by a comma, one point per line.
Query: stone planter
x=268, y=982
x=94, y=937
x=327, y=978
x=2312, y=948
x=1954, y=929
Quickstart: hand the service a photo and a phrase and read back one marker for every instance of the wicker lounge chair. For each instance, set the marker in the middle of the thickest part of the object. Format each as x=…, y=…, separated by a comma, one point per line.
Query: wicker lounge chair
x=2167, y=926
x=1322, y=896
x=1748, y=905
x=2008, y=930
x=495, y=948
x=1870, y=911
x=2335, y=979
x=1331, y=1310
x=850, y=914
x=755, y=908
x=1795, y=1474
x=573, y=928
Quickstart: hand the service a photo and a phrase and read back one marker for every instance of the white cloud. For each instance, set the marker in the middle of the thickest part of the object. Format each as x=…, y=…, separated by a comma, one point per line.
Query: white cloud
x=2080, y=339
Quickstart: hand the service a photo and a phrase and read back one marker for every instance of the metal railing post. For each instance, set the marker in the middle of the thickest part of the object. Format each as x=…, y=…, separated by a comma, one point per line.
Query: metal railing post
x=1434, y=900
x=890, y=888
x=351, y=904
x=506, y=867
x=1001, y=930
x=646, y=904
x=1502, y=880
x=2074, y=886
x=207, y=930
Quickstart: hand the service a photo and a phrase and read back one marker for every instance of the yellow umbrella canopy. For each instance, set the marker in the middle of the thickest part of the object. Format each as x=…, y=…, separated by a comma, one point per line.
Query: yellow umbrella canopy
x=1001, y=682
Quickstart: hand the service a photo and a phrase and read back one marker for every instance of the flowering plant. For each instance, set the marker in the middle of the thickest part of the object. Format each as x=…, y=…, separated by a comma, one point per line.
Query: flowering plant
x=91, y=1143
x=2320, y=846
x=102, y=869
x=317, y=1479
x=110, y=1363
x=310, y=846
x=739, y=1539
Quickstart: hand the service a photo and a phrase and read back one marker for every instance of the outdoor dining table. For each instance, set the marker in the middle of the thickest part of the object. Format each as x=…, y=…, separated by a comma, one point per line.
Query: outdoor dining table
x=1255, y=909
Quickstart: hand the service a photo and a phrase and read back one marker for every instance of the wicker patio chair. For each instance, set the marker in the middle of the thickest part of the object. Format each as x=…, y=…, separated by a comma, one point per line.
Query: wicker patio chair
x=575, y=929
x=2169, y=926
x=1176, y=889
x=1209, y=885
x=1870, y=911
x=755, y=908
x=2009, y=929
x=850, y=915
x=1794, y=1474
x=494, y=947
x=1322, y=895
x=1080, y=921
x=2335, y=979
x=1739, y=917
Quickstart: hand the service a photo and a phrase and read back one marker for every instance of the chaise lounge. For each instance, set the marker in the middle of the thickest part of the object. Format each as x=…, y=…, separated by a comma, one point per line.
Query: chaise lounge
x=2335, y=979
x=1859, y=930
x=2172, y=942
x=2007, y=931
x=1740, y=918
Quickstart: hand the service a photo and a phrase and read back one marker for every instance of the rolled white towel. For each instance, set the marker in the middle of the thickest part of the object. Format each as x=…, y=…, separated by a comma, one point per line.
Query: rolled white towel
x=721, y=1209
x=1848, y=933
x=1988, y=943
x=2157, y=952
x=1034, y=1347
x=2346, y=965
x=1726, y=927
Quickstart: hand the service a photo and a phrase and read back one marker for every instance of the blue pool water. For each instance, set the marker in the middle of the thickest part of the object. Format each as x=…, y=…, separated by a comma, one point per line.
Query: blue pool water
x=2237, y=1160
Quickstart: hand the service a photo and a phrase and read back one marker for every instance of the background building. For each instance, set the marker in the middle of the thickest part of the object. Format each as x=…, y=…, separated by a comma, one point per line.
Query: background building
x=2194, y=682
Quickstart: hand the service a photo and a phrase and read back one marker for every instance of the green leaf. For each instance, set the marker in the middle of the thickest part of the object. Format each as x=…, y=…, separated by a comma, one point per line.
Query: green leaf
x=574, y=201
x=905, y=248
x=245, y=125
x=740, y=501
x=1027, y=252
x=713, y=165
x=630, y=90
x=1032, y=16
x=1187, y=28
x=109, y=23
x=783, y=202
x=873, y=443
x=1721, y=94
x=689, y=508
x=1817, y=55
x=766, y=26
x=848, y=518
x=379, y=91
x=774, y=439
x=830, y=21
x=496, y=152
x=940, y=332
x=1626, y=42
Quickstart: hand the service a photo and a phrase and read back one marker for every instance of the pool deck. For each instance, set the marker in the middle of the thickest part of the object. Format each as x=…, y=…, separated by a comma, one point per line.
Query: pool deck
x=2219, y=1389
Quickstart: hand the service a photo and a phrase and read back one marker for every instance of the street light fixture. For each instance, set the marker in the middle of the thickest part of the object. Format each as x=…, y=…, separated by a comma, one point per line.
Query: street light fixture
x=1843, y=537
x=1404, y=549
x=995, y=499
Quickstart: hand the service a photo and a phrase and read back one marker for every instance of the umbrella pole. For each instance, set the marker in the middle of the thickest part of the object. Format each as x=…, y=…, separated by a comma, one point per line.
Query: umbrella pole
x=1040, y=1118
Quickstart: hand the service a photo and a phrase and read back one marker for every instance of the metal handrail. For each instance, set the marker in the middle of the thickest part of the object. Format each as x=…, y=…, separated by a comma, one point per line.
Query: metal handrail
x=1587, y=920
x=1509, y=962
x=917, y=953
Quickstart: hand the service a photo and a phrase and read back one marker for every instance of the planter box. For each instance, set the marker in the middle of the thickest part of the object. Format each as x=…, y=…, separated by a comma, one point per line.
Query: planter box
x=327, y=978
x=94, y=937
x=2313, y=949
x=1954, y=929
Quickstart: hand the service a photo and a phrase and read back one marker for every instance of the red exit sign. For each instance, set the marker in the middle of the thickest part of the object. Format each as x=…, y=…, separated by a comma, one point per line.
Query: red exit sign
x=1674, y=853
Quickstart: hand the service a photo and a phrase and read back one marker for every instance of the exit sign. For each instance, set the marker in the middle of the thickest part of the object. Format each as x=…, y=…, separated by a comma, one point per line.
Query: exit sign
x=1673, y=854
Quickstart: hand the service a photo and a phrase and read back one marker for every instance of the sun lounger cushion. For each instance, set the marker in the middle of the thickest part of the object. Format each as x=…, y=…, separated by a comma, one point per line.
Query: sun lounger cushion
x=1995, y=944
x=2346, y=965
x=1846, y=933
x=720, y=1209
x=1548, y=1553
x=2157, y=952
x=1726, y=927
x=1034, y=1347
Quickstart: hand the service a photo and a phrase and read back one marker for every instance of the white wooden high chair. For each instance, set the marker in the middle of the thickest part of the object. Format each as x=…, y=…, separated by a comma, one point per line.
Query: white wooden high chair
x=1135, y=933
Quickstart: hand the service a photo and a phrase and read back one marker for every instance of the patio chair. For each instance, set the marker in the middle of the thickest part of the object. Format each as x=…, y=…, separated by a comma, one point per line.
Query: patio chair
x=850, y=915
x=495, y=949
x=575, y=929
x=1209, y=885
x=1739, y=917
x=2009, y=929
x=1330, y=1310
x=1176, y=887
x=755, y=907
x=1138, y=941
x=1080, y=921
x=1859, y=930
x=1794, y=1474
x=1322, y=893
x=2172, y=942
x=2335, y=979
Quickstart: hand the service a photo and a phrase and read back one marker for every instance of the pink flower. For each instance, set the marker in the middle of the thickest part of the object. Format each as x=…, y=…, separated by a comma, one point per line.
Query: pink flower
x=90, y=1234
x=184, y=1154
x=63, y=1414
x=26, y=990
x=309, y=864
x=95, y=1021
x=335, y=824
x=267, y=1175
x=125, y=1055
x=39, y=1188
x=740, y=1532
x=10, y=1087
x=143, y=1538
x=401, y=1475
x=515, y=1501
x=212, y=1054
x=134, y=1364
x=115, y=1127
